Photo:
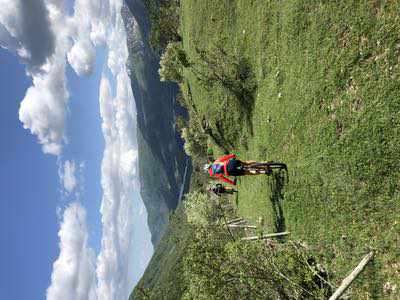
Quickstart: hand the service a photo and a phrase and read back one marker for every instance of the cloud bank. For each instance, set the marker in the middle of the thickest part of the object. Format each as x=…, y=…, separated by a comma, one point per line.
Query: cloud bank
x=119, y=185
x=126, y=247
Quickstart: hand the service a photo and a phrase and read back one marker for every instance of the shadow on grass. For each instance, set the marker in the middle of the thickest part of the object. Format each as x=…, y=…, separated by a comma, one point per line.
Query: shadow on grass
x=372, y=275
x=276, y=184
x=217, y=68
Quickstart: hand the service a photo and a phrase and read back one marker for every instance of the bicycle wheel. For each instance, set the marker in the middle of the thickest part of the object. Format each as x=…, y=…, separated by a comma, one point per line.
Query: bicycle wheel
x=261, y=169
x=268, y=165
x=276, y=165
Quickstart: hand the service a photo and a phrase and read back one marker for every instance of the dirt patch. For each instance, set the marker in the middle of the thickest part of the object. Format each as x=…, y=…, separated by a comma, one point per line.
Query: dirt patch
x=356, y=104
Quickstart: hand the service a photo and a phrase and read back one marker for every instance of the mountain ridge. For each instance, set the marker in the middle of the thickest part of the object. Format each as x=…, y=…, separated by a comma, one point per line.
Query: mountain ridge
x=162, y=160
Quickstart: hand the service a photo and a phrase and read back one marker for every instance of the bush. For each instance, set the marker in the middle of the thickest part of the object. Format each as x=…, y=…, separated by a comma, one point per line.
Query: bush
x=200, y=210
x=195, y=141
x=231, y=72
x=172, y=63
x=218, y=268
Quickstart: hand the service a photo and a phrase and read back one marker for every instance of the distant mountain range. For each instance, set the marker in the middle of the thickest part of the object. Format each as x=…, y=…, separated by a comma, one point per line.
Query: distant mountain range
x=162, y=160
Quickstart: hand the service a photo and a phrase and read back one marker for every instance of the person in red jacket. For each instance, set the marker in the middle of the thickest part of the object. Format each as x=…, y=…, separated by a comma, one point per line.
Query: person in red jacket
x=226, y=166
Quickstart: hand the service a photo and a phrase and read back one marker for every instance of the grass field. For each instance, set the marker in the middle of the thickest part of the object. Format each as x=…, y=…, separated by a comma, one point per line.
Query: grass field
x=328, y=104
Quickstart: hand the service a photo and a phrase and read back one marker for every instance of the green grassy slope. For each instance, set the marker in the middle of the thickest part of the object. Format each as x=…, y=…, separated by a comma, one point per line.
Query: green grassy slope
x=327, y=104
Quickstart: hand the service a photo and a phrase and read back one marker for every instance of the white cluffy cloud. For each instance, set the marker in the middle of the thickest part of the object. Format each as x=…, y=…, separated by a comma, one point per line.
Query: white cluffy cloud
x=73, y=274
x=44, y=36
x=88, y=27
x=43, y=109
x=68, y=178
x=25, y=27
x=28, y=29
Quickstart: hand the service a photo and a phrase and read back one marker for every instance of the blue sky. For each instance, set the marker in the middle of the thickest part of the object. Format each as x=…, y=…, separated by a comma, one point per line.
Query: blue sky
x=29, y=185
x=72, y=220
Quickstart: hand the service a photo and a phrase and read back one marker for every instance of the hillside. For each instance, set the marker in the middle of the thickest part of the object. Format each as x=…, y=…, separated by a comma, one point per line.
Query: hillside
x=319, y=89
x=162, y=160
x=164, y=272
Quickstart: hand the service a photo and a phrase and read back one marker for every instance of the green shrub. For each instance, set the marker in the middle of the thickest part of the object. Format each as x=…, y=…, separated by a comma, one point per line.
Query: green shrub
x=172, y=62
x=216, y=267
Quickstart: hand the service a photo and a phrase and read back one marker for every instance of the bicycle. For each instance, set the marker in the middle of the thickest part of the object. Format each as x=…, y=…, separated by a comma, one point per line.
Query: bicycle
x=229, y=165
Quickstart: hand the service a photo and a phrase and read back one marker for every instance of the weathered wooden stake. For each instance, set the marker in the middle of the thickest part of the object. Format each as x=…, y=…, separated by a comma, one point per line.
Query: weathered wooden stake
x=353, y=275
x=265, y=236
x=235, y=221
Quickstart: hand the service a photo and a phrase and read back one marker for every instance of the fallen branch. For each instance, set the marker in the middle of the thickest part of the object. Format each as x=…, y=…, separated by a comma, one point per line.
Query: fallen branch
x=241, y=226
x=353, y=275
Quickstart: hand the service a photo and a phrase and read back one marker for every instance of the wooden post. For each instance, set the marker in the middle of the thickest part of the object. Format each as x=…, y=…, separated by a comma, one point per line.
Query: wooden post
x=353, y=275
x=265, y=236
x=235, y=221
